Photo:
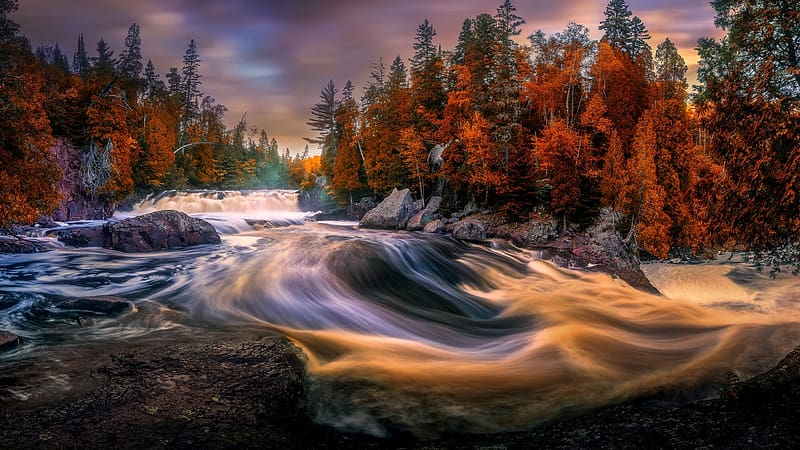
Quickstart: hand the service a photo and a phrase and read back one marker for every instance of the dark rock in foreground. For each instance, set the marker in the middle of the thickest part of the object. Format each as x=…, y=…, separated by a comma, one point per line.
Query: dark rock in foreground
x=12, y=244
x=392, y=213
x=8, y=340
x=160, y=230
x=248, y=393
x=101, y=304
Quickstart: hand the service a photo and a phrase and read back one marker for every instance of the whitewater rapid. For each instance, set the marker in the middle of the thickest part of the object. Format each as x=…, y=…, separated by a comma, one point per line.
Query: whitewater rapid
x=420, y=332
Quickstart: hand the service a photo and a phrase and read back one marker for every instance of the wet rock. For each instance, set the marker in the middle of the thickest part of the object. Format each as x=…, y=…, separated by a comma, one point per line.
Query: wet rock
x=13, y=244
x=436, y=226
x=160, y=230
x=8, y=340
x=603, y=249
x=471, y=230
x=103, y=304
x=420, y=219
x=392, y=213
x=425, y=215
x=90, y=236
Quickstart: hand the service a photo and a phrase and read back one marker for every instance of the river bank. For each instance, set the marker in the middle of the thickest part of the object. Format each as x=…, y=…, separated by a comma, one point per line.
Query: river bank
x=234, y=392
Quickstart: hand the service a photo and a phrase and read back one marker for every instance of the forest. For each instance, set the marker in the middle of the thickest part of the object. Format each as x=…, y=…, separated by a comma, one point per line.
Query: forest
x=562, y=123
x=106, y=126
x=571, y=125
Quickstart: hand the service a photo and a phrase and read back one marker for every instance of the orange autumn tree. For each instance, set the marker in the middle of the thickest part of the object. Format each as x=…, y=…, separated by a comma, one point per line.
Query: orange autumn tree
x=457, y=111
x=303, y=172
x=415, y=158
x=385, y=116
x=565, y=156
x=484, y=175
x=645, y=197
x=348, y=164
x=28, y=174
x=157, y=138
x=112, y=150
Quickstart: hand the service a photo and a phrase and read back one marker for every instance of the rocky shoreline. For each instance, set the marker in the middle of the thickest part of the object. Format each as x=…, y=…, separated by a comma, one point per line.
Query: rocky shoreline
x=246, y=392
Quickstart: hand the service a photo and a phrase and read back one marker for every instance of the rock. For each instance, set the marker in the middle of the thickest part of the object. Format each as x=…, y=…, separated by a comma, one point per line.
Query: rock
x=436, y=226
x=418, y=221
x=8, y=340
x=470, y=209
x=471, y=230
x=434, y=203
x=101, y=304
x=536, y=233
x=160, y=230
x=392, y=213
x=90, y=236
x=602, y=248
x=13, y=244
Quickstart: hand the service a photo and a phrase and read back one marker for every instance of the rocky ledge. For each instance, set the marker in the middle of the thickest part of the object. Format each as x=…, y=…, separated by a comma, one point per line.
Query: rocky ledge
x=248, y=393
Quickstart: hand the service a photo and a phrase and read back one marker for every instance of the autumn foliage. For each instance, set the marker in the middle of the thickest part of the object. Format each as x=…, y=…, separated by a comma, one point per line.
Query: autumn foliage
x=575, y=125
x=119, y=127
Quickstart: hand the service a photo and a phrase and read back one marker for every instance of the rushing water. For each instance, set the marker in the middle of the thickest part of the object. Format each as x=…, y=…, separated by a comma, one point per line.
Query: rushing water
x=412, y=331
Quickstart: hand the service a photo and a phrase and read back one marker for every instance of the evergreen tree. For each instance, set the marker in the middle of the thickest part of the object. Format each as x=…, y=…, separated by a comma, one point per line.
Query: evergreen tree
x=153, y=84
x=104, y=61
x=174, y=82
x=376, y=86
x=80, y=60
x=626, y=32
x=508, y=22
x=670, y=71
x=427, y=80
x=617, y=25
x=424, y=50
x=8, y=28
x=190, y=83
x=130, y=61
x=323, y=121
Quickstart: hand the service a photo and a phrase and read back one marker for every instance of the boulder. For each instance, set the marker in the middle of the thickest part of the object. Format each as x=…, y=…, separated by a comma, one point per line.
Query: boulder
x=13, y=244
x=160, y=230
x=436, y=226
x=89, y=236
x=392, y=213
x=434, y=203
x=101, y=304
x=8, y=340
x=603, y=249
x=421, y=218
x=471, y=230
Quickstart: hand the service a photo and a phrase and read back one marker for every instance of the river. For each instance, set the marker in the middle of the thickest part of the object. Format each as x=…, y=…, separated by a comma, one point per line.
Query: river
x=414, y=331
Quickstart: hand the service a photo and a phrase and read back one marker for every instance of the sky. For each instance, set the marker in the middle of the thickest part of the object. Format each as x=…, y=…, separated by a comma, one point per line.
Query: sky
x=270, y=58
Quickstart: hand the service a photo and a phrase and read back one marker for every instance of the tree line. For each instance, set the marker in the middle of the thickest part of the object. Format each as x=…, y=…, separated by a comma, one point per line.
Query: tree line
x=122, y=127
x=572, y=125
